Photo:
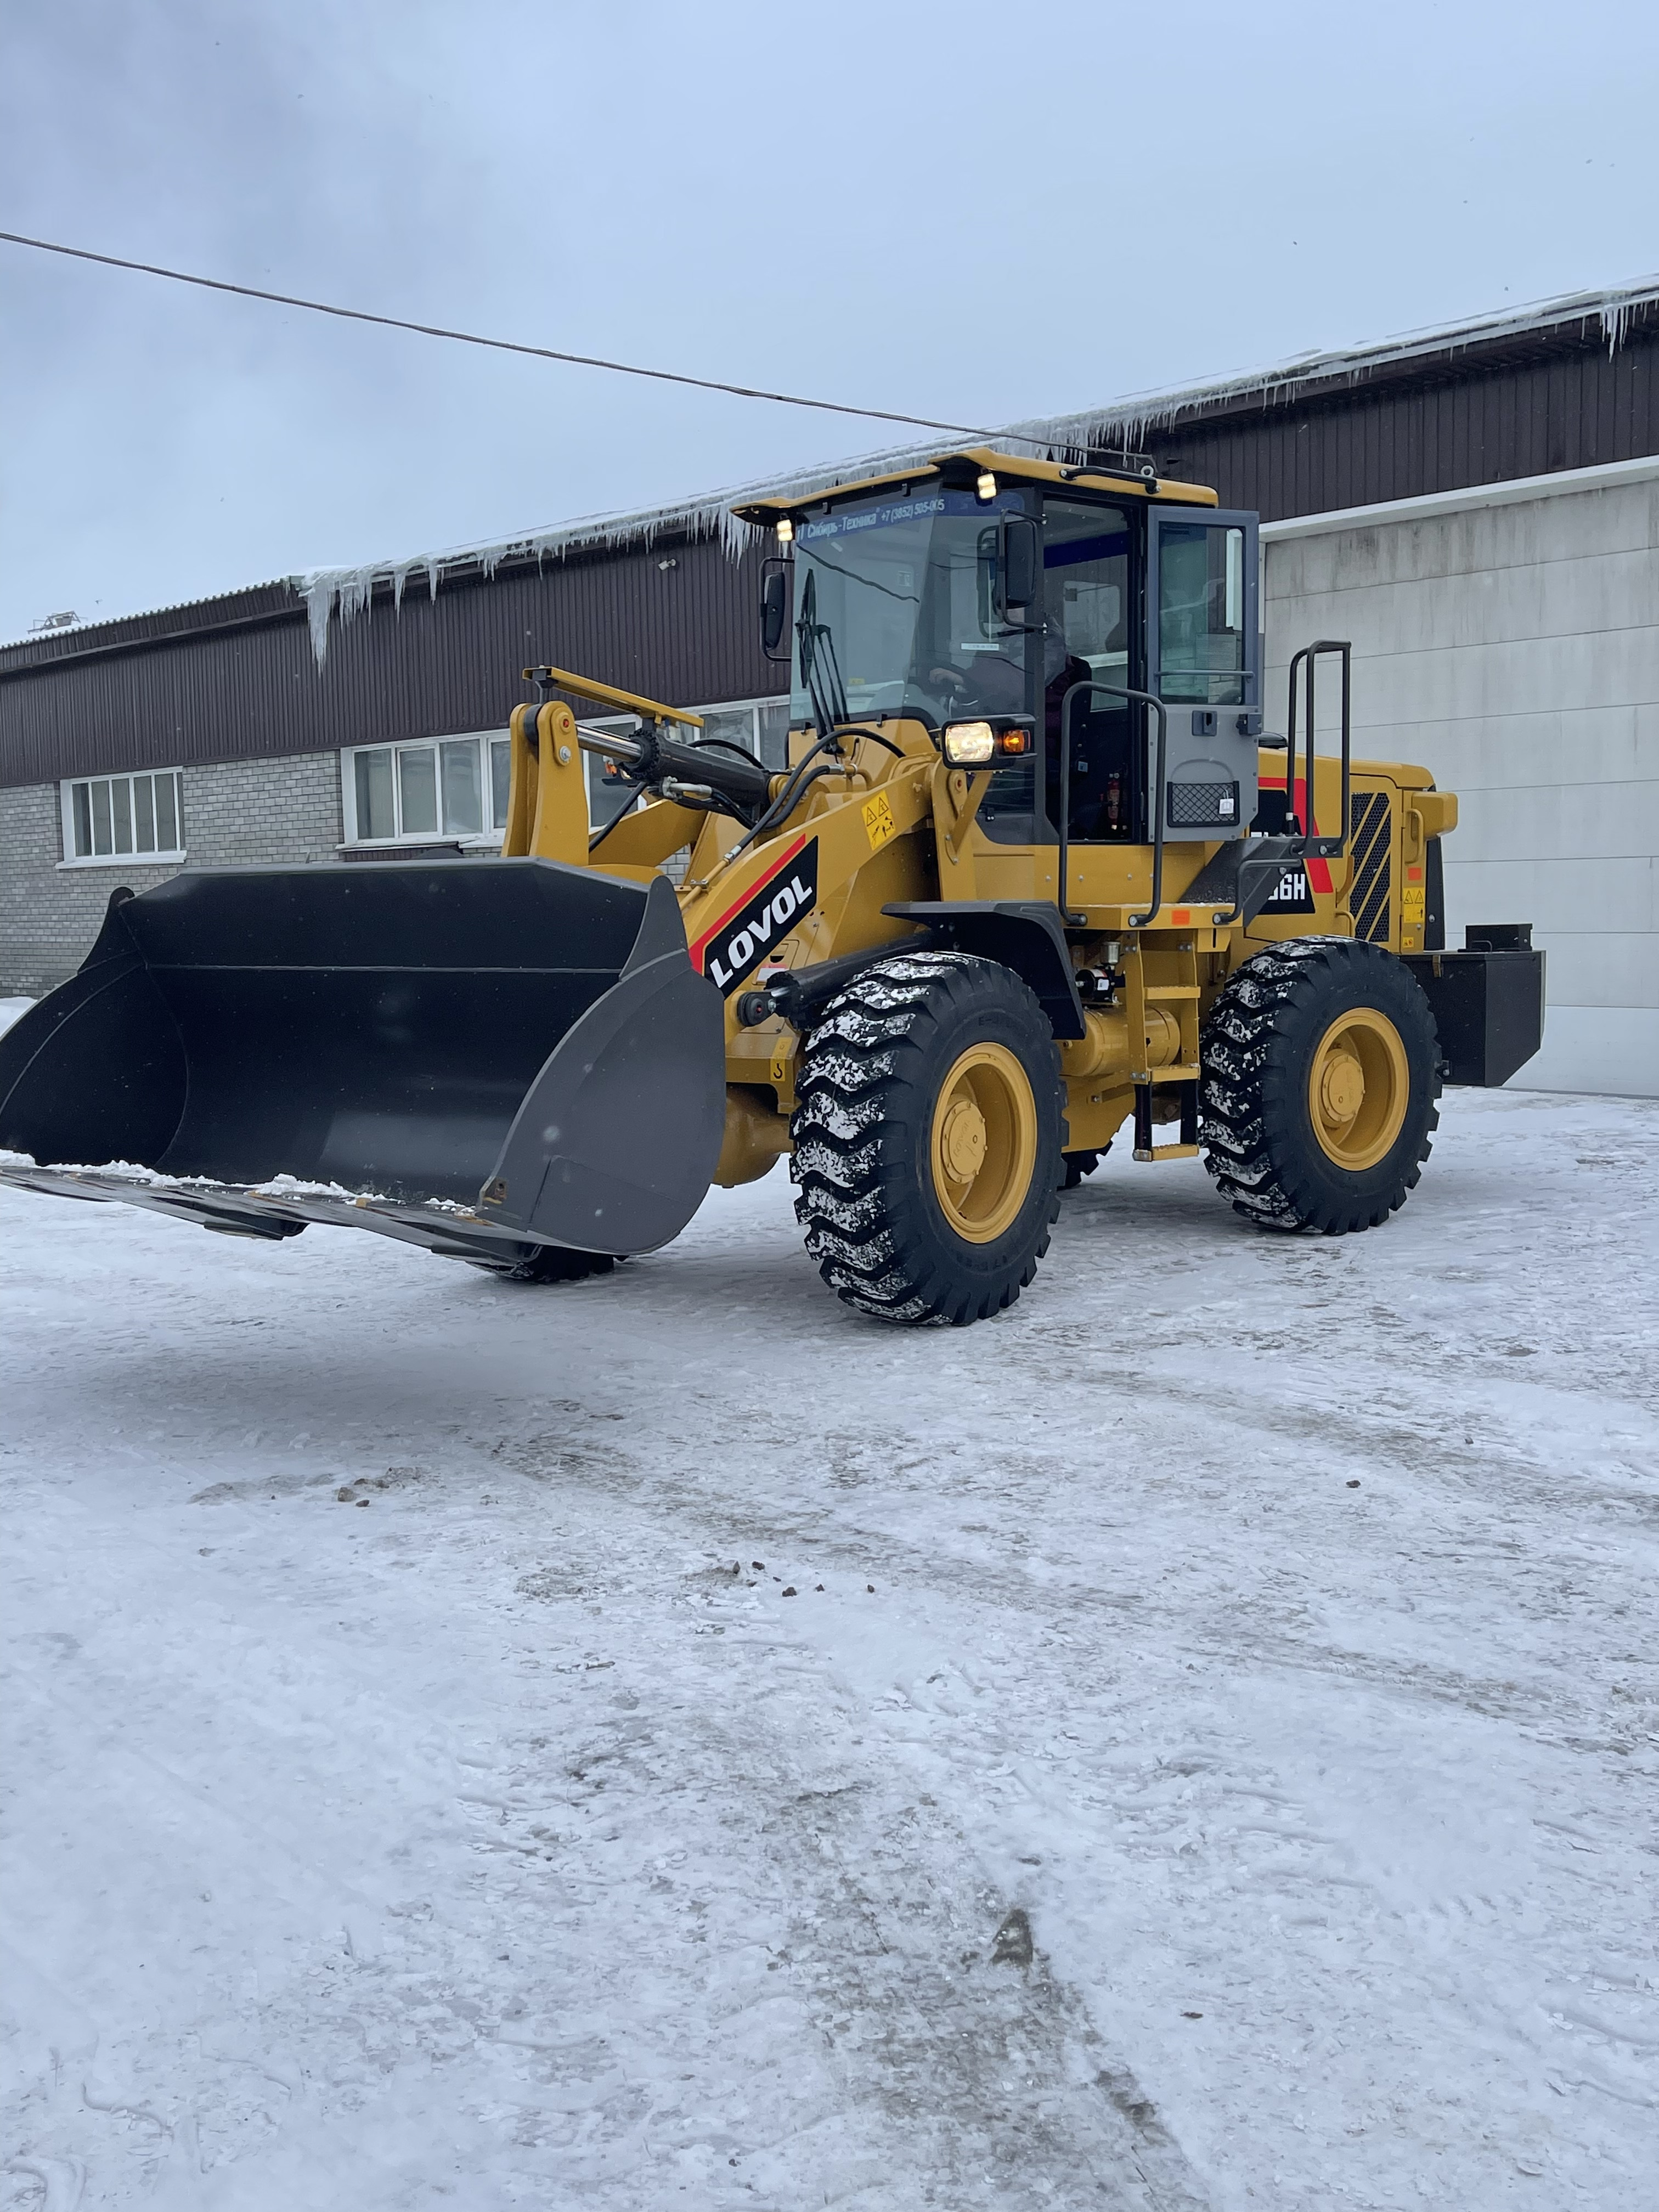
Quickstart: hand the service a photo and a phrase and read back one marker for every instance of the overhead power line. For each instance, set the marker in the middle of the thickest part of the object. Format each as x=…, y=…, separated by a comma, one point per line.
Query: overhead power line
x=495, y=345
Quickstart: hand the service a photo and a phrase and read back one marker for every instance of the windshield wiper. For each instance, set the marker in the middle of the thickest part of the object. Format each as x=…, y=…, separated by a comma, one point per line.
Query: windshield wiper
x=819, y=667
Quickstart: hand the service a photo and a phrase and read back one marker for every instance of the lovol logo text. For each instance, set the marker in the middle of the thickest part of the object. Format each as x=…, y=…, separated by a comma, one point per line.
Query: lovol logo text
x=735, y=947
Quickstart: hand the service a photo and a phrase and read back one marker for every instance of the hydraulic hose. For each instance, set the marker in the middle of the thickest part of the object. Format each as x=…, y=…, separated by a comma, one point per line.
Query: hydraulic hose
x=780, y=806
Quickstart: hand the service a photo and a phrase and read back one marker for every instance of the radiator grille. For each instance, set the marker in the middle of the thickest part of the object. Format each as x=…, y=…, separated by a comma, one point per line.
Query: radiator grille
x=1203, y=805
x=1371, y=834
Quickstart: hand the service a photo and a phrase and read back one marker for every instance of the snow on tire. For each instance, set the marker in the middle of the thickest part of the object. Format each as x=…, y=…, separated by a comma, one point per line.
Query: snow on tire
x=920, y=1052
x=1320, y=1074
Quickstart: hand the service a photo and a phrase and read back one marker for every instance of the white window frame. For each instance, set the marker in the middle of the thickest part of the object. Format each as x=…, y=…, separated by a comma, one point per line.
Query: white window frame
x=753, y=709
x=486, y=840
x=167, y=856
x=489, y=840
x=618, y=725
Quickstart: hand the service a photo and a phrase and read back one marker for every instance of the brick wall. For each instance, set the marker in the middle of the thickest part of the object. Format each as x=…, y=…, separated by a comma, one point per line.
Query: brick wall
x=237, y=814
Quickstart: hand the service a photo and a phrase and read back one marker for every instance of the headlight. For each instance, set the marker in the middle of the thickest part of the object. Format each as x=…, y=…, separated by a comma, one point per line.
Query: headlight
x=975, y=745
x=969, y=745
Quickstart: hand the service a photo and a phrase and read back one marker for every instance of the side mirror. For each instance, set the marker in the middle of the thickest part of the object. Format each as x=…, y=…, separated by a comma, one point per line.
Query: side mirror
x=775, y=610
x=1018, y=561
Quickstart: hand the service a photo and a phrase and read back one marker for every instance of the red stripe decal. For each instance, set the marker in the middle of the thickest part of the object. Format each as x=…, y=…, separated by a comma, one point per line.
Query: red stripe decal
x=753, y=891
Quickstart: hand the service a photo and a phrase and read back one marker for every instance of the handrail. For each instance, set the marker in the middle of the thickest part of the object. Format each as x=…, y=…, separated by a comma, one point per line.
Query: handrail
x=1326, y=848
x=1301, y=843
x=1149, y=699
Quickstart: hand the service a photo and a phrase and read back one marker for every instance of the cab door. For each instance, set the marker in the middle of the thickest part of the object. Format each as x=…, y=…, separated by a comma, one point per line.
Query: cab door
x=1203, y=657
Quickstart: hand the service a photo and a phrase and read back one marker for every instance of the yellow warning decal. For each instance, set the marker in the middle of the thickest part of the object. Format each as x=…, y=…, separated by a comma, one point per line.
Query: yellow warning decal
x=878, y=822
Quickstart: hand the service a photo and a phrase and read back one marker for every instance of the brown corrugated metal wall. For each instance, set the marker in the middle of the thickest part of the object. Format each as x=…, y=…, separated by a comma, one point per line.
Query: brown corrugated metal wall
x=1573, y=406
x=235, y=678
x=686, y=632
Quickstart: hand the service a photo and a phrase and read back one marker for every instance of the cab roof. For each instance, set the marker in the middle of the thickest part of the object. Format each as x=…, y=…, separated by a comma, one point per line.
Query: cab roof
x=970, y=461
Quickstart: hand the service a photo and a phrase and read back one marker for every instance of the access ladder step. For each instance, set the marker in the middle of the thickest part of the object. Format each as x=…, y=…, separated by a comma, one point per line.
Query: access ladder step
x=1186, y=1100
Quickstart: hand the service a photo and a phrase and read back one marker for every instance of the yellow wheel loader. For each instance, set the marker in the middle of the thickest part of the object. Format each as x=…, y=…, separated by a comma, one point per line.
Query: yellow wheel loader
x=1035, y=870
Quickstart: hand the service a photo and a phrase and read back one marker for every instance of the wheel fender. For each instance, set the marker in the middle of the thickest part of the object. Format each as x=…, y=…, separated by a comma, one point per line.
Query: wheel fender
x=1022, y=934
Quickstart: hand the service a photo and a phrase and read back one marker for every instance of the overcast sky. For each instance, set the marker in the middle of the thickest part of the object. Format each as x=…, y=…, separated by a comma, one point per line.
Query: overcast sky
x=980, y=212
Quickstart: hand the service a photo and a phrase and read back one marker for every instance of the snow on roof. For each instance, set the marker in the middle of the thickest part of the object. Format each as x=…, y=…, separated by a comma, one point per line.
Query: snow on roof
x=344, y=593
x=1123, y=423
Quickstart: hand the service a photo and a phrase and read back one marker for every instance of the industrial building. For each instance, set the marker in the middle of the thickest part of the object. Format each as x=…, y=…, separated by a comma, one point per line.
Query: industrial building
x=1477, y=508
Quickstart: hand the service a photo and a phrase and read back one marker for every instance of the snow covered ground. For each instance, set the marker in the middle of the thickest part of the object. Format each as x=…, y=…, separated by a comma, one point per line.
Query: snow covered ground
x=1190, y=1742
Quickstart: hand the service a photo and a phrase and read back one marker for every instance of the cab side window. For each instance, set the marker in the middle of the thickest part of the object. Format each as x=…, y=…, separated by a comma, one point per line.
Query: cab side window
x=1088, y=579
x=1085, y=617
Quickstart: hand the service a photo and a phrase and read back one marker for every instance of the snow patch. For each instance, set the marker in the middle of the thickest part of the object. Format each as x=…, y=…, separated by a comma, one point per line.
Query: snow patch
x=1207, y=1757
x=287, y=1186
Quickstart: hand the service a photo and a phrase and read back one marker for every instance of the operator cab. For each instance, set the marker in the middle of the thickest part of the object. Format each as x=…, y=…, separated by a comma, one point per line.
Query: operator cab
x=1026, y=595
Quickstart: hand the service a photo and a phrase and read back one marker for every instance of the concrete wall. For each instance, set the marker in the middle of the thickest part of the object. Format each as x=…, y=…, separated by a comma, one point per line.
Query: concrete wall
x=1507, y=640
x=237, y=813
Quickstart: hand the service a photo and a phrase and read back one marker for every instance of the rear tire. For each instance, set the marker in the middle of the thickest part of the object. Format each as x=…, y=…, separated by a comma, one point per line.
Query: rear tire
x=551, y=1263
x=1320, y=1074
x=1076, y=1165
x=927, y=1138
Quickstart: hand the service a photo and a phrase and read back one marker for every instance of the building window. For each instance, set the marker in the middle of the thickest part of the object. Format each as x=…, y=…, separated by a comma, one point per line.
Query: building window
x=761, y=727
x=441, y=787
x=122, y=817
x=445, y=788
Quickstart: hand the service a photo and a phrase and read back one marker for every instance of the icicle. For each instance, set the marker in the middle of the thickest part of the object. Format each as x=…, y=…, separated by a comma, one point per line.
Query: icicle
x=318, y=595
x=1126, y=426
x=1615, y=322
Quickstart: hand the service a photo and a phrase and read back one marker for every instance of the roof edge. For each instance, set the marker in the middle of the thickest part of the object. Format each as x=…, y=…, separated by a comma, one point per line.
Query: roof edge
x=327, y=592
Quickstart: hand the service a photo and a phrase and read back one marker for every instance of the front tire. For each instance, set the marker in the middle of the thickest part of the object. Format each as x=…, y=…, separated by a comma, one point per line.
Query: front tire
x=927, y=1138
x=1320, y=1074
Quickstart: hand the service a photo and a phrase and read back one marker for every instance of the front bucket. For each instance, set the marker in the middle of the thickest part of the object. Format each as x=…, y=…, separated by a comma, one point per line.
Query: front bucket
x=478, y=1056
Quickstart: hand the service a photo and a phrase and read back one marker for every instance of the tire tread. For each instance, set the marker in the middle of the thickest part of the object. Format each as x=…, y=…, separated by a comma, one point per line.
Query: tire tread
x=856, y=1095
x=1248, y=1119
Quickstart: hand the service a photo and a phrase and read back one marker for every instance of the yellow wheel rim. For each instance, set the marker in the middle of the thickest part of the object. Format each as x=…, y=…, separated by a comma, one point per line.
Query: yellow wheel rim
x=1358, y=1088
x=984, y=1144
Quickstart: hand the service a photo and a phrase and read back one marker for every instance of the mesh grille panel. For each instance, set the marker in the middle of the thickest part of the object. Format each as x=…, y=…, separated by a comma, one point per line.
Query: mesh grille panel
x=1203, y=805
x=1372, y=832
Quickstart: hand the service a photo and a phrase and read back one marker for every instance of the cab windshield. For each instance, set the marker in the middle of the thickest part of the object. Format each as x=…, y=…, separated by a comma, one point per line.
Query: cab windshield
x=896, y=612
